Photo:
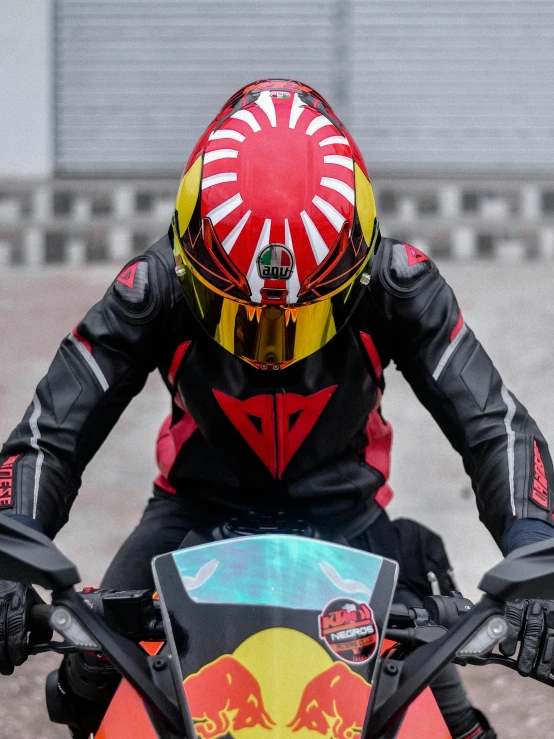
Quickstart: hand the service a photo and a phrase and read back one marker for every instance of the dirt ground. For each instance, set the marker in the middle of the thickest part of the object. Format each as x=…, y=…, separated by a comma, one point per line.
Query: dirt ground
x=510, y=307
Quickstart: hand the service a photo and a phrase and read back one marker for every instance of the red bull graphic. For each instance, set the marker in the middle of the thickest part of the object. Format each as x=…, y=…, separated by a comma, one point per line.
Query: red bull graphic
x=279, y=670
x=349, y=630
x=333, y=704
x=224, y=696
x=282, y=684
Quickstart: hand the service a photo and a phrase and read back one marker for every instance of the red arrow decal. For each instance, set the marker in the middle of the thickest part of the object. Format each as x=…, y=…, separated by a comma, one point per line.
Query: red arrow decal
x=293, y=431
x=260, y=437
x=127, y=277
x=414, y=255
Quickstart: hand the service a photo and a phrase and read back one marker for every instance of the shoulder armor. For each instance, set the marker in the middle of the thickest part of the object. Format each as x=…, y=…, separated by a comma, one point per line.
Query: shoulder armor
x=146, y=281
x=403, y=279
x=146, y=284
x=407, y=265
x=136, y=294
x=131, y=285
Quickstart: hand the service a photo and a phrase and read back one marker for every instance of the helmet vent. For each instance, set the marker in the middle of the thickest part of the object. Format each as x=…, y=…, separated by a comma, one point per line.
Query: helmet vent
x=274, y=295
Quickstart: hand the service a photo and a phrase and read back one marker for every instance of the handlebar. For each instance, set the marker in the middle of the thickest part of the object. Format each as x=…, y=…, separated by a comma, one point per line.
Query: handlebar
x=427, y=646
x=439, y=610
x=130, y=613
x=136, y=615
x=39, y=617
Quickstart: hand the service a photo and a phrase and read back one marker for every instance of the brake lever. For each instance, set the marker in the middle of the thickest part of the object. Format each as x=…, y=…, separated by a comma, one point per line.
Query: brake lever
x=497, y=659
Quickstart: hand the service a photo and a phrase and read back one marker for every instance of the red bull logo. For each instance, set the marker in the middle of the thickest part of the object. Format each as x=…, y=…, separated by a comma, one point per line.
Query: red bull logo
x=279, y=684
x=333, y=704
x=224, y=696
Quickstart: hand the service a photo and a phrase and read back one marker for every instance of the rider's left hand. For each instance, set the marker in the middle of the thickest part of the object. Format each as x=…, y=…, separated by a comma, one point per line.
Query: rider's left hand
x=532, y=621
x=15, y=601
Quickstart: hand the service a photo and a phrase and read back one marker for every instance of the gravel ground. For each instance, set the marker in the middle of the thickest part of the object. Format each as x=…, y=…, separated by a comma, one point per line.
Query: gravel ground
x=509, y=306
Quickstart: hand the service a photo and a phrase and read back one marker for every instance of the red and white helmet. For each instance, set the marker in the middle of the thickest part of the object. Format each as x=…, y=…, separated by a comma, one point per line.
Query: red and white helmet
x=274, y=224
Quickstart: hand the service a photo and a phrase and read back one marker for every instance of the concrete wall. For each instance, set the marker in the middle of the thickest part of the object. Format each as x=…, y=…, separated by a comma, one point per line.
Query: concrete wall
x=26, y=88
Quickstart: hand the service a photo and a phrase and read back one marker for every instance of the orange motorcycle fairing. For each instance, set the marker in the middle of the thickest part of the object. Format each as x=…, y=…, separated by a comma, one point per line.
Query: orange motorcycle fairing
x=126, y=717
x=424, y=720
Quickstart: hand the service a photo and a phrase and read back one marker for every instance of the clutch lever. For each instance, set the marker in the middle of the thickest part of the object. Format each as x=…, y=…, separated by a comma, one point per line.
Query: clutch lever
x=415, y=637
x=54, y=646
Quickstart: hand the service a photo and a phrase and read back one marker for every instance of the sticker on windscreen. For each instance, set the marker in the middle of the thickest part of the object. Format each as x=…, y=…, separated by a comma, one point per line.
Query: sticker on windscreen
x=348, y=628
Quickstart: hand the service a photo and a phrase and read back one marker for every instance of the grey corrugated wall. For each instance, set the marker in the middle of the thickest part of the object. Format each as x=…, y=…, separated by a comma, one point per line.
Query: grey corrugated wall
x=424, y=85
x=138, y=81
x=444, y=84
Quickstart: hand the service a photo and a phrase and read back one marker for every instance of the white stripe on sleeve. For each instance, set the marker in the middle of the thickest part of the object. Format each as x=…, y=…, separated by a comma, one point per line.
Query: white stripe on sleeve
x=91, y=361
x=450, y=349
x=33, y=423
x=509, y=417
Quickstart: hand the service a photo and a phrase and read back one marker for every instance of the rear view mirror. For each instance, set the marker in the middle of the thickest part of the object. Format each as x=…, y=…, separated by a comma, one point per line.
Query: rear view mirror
x=29, y=557
x=525, y=573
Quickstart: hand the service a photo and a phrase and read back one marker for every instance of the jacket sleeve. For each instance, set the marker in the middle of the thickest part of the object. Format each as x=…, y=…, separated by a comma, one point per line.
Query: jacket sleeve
x=96, y=371
x=502, y=448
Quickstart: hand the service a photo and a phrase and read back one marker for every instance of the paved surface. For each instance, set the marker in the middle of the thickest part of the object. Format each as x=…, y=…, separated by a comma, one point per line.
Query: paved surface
x=510, y=307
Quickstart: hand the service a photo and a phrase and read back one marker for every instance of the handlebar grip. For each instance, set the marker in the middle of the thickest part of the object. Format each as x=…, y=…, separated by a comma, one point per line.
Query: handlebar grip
x=39, y=617
x=447, y=610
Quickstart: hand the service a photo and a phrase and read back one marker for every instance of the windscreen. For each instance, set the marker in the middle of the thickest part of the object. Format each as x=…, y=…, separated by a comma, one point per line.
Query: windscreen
x=275, y=632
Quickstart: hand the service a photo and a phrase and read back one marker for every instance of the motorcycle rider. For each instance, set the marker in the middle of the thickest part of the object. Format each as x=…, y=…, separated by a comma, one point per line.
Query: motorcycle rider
x=271, y=309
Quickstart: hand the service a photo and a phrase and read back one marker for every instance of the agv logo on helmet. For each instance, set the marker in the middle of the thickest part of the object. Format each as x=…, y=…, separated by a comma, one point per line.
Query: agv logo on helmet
x=275, y=262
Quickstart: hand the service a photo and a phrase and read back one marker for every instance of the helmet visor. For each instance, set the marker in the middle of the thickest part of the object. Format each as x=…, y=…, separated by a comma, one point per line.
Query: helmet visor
x=270, y=335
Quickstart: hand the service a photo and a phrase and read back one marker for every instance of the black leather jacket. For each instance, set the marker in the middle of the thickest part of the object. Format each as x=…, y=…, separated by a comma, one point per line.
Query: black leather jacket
x=310, y=438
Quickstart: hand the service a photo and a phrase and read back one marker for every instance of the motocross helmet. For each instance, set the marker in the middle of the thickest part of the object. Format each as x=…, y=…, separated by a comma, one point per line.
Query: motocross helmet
x=274, y=224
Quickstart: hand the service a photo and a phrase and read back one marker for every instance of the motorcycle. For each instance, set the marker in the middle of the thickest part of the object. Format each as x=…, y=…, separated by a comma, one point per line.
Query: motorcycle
x=270, y=632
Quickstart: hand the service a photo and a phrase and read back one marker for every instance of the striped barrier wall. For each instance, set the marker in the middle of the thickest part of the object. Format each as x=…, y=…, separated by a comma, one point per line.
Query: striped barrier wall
x=80, y=221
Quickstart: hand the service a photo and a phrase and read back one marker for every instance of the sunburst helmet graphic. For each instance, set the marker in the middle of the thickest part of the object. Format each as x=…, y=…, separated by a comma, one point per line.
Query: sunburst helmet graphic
x=274, y=224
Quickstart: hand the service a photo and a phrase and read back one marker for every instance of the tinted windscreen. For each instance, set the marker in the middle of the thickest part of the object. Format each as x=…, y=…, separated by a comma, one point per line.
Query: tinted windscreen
x=262, y=623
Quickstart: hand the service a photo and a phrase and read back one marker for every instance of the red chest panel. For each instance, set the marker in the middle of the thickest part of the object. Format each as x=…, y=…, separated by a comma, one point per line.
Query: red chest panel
x=270, y=429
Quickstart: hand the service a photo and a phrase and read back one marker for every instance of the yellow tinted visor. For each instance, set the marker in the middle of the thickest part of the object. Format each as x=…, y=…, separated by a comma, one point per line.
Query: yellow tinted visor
x=269, y=335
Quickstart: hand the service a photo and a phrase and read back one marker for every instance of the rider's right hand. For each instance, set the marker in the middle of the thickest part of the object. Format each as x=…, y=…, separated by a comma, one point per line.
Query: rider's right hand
x=15, y=601
x=532, y=622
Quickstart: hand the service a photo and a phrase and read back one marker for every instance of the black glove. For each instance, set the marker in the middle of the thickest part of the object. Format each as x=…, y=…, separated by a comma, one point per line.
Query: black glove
x=15, y=602
x=532, y=621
